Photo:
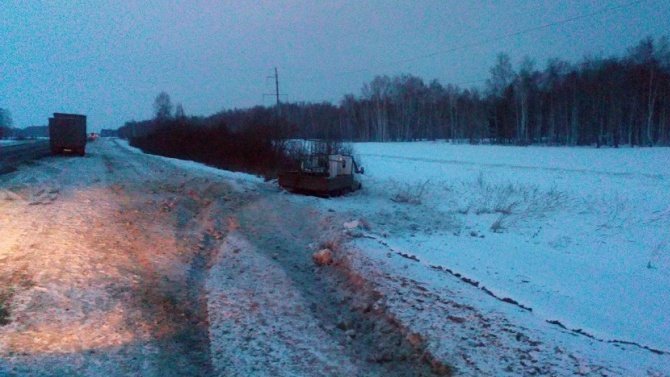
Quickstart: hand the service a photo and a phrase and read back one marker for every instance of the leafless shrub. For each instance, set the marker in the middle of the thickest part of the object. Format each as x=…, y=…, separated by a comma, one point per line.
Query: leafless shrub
x=411, y=193
x=365, y=225
x=497, y=226
x=505, y=208
x=463, y=210
x=510, y=199
x=493, y=198
x=480, y=180
x=614, y=211
x=512, y=202
x=660, y=257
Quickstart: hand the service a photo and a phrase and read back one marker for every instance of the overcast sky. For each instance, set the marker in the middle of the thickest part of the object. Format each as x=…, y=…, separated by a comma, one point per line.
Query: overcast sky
x=109, y=59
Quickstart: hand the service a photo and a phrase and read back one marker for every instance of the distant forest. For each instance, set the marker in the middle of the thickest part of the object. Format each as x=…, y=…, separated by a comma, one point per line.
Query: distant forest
x=598, y=101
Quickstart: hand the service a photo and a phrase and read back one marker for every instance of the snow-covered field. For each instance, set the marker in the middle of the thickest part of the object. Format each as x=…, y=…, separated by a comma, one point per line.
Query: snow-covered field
x=579, y=236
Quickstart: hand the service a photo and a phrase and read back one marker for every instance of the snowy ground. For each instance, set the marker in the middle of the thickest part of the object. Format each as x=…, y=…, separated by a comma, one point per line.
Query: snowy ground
x=579, y=237
x=124, y=264
x=4, y=142
x=478, y=260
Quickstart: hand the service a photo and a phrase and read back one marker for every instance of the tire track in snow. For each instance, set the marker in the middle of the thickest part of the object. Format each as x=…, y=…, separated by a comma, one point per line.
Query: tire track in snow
x=267, y=258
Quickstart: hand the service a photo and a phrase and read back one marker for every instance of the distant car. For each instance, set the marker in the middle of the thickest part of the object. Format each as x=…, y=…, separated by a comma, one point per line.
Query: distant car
x=93, y=136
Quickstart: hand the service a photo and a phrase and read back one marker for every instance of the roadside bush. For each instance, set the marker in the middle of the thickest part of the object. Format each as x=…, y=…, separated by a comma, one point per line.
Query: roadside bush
x=508, y=199
x=256, y=148
x=410, y=193
x=498, y=226
x=510, y=202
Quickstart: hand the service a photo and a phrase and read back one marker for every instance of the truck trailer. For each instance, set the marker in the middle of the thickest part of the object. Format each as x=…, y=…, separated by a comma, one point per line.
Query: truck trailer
x=67, y=133
x=322, y=175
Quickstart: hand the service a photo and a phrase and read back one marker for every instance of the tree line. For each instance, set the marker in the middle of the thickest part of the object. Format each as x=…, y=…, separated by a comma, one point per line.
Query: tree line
x=597, y=101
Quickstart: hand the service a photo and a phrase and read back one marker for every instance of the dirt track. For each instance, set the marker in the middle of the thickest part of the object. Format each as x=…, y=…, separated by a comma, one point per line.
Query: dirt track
x=123, y=264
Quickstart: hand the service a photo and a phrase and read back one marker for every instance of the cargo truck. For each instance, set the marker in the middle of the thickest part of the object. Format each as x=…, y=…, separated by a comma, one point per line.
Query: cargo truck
x=67, y=133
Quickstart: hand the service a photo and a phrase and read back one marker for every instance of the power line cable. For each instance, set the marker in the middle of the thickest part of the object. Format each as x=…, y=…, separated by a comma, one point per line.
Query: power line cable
x=527, y=30
x=367, y=34
x=482, y=41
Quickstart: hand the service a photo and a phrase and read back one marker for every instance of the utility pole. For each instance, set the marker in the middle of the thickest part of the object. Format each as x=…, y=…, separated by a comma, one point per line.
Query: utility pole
x=277, y=86
x=276, y=94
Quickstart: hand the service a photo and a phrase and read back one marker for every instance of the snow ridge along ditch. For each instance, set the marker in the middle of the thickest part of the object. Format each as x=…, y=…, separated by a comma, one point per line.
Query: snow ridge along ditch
x=458, y=275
